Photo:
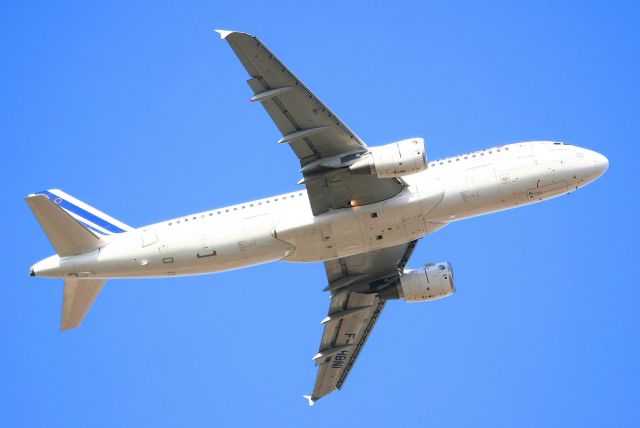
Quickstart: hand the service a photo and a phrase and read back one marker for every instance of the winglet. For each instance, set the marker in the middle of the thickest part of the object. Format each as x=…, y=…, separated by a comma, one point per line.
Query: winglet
x=224, y=33
x=310, y=398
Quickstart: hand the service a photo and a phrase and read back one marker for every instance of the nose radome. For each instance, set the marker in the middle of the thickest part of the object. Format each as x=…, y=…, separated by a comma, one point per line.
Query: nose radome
x=601, y=163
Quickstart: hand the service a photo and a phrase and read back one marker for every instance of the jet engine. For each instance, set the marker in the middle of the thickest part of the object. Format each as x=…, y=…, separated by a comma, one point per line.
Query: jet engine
x=393, y=160
x=433, y=281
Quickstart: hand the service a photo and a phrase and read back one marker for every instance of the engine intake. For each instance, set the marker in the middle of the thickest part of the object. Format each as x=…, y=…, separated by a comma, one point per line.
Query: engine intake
x=393, y=160
x=431, y=282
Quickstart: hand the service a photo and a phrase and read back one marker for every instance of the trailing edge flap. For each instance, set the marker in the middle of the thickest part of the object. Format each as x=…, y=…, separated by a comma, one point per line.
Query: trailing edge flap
x=68, y=236
x=79, y=295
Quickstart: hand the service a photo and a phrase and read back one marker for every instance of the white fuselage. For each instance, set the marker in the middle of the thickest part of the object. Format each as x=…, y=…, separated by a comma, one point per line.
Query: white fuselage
x=283, y=227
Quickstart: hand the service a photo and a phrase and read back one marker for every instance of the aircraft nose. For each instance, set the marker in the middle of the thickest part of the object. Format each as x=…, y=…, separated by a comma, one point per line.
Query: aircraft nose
x=599, y=164
x=591, y=166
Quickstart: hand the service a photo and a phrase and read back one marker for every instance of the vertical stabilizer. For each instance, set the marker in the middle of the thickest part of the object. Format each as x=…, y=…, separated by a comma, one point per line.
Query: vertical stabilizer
x=79, y=295
x=67, y=235
x=90, y=217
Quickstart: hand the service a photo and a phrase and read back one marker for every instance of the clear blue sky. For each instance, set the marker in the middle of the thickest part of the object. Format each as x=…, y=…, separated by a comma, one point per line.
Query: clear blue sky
x=139, y=109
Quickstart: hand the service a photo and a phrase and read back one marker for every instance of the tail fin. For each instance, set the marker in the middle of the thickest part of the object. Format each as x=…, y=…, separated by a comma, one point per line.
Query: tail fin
x=72, y=226
x=90, y=217
x=79, y=295
x=67, y=235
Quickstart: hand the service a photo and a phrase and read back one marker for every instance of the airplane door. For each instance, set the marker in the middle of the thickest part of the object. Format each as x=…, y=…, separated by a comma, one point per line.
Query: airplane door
x=549, y=181
x=206, y=249
x=551, y=173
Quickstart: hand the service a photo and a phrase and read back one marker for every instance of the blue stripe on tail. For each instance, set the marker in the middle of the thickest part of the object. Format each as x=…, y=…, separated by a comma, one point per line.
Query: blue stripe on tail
x=82, y=213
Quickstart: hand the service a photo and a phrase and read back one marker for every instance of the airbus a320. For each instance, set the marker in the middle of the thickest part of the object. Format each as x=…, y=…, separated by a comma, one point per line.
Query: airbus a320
x=361, y=214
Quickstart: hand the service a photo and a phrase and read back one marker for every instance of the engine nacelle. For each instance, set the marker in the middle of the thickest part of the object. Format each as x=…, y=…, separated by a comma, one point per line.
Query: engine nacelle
x=433, y=281
x=393, y=160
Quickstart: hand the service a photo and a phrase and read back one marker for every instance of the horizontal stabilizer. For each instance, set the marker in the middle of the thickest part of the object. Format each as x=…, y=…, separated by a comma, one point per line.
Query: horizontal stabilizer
x=68, y=236
x=79, y=295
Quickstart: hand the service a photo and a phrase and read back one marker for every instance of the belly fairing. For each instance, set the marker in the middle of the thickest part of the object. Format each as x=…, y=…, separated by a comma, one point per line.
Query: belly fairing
x=348, y=231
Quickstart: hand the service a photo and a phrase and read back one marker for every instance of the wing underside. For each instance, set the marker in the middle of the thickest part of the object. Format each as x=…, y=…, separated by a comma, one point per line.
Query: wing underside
x=326, y=146
x=353, y=311
x=315, y=134
x=311, y=129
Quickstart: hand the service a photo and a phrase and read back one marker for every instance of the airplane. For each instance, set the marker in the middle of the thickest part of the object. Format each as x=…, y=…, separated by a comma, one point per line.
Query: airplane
x=362, y=213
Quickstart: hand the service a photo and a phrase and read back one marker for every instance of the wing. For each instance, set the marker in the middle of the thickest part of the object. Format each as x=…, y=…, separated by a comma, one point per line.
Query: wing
x=353, y=311
x=324, y=144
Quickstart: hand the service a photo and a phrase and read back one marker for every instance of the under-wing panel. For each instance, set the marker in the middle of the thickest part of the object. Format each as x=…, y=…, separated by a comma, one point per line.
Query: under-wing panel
x=353, y=311
x=312, y=130
x=291, y=105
